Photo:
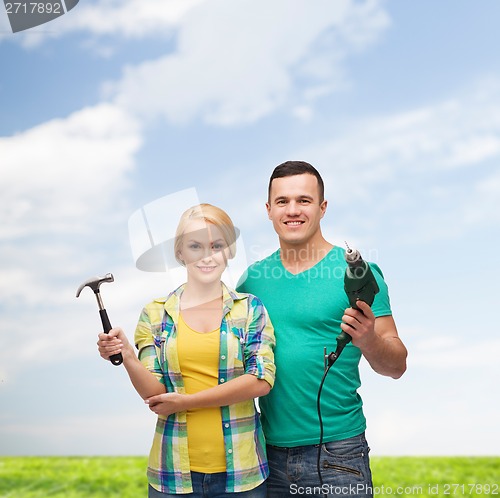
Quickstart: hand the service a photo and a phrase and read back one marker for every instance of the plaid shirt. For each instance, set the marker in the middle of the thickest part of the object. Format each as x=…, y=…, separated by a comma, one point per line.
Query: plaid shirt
x=246, y=347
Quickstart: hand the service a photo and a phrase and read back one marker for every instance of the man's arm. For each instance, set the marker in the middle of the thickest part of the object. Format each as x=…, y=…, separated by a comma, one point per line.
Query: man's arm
x=378, y=340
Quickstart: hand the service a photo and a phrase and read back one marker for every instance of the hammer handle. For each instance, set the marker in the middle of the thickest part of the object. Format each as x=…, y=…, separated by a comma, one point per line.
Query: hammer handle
x=116, y=359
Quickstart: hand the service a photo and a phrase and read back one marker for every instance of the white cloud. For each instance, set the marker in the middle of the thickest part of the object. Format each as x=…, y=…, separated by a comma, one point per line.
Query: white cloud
x=234, y=62
x=427, y=173
x=238, y=62
x=446, y=352
x=128, y=18
x=60, y=190
x=474, y=150
x=122, y=18
x=59, y=174
x=447, y=136
x=48, y=324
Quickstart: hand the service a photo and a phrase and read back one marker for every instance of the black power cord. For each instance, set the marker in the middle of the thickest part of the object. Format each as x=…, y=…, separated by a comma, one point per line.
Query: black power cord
x=332, y=358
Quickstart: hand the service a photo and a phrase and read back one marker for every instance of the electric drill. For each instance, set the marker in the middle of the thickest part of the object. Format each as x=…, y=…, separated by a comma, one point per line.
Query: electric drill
x=359, y=284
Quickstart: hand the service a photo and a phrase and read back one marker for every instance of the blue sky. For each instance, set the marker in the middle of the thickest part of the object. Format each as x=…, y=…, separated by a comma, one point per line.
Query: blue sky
x=120, y=103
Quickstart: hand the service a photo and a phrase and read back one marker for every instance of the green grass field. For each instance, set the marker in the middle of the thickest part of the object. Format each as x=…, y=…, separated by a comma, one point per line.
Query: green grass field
x=124, y=477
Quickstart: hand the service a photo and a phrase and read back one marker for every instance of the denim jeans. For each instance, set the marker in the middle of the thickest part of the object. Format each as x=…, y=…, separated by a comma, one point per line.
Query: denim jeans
x=211, y=486
x=345, y=470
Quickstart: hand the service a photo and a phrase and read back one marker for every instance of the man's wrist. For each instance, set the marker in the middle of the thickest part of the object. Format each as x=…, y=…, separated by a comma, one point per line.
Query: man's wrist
x=370, y=344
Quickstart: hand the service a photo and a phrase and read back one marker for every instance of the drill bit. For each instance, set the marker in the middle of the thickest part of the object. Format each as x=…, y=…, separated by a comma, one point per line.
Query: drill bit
x=352, y=256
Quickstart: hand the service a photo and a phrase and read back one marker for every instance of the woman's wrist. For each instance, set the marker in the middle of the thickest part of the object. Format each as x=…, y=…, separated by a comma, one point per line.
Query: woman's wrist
x=128, y=353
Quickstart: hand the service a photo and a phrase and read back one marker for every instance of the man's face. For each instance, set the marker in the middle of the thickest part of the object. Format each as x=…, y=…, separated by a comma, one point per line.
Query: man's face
x=295, y=209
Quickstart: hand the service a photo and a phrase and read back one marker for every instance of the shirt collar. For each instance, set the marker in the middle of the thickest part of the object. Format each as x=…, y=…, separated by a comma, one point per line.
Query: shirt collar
x=172, y=301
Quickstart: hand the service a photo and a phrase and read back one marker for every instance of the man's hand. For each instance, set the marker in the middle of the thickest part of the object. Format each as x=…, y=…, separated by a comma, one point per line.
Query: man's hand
x=360, y=325
x=377, y=338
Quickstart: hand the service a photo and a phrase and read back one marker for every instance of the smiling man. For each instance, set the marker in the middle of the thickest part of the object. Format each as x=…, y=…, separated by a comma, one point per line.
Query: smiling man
x=301, y=285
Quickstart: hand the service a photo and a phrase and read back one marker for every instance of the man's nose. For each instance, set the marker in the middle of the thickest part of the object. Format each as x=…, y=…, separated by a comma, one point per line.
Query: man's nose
x=292, y=208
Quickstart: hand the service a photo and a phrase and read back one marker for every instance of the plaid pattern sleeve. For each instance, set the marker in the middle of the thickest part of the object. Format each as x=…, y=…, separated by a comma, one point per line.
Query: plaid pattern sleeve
x=144, y=342
x=246, y=346
x=259, y=342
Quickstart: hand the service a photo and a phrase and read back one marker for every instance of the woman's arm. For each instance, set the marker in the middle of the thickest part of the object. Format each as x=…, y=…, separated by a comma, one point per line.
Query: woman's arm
x=142, y=379
x=257, y=380
x=234, y=391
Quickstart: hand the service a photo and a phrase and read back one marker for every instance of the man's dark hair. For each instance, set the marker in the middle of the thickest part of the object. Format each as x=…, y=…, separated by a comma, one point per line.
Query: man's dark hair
x=292, y=168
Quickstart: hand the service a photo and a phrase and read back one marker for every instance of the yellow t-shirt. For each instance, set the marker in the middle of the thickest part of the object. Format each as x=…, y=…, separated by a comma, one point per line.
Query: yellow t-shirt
x=199, y=362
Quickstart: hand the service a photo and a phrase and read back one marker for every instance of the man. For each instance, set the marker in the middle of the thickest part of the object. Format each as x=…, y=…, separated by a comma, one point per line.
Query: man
x=301, y=286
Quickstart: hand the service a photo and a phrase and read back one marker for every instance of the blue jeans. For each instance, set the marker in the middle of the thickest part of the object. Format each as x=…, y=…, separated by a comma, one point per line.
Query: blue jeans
x=345, y=470
x=211, y=486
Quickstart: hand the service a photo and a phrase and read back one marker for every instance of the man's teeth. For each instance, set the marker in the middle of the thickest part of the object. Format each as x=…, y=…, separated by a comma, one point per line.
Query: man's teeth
x=294, y=223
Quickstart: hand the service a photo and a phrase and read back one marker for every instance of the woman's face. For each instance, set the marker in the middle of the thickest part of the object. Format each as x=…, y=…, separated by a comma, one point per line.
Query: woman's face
x=204, y=251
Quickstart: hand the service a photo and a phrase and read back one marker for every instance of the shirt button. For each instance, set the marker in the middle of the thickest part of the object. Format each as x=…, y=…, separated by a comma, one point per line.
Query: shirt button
x=226, y=426
x=223, y=357
x=229, y=451
x=223, y=380
x=223, y=332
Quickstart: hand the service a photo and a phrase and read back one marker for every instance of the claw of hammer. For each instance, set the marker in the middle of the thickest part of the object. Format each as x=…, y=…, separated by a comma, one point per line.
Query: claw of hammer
x=94, y=283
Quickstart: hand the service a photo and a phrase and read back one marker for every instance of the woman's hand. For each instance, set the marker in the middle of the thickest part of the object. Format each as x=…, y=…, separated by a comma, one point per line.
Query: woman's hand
x=166, y=404
x=113, y=343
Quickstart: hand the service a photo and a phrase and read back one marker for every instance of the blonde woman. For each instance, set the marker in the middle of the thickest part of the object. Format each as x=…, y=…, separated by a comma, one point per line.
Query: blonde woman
x=204, y=353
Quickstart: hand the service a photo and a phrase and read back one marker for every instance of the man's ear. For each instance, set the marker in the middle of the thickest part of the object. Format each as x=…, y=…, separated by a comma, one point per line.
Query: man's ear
x=268, y=207
x=323, y=207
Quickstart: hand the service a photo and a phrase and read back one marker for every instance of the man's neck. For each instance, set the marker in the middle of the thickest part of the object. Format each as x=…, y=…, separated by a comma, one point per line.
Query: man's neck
x=301, y=257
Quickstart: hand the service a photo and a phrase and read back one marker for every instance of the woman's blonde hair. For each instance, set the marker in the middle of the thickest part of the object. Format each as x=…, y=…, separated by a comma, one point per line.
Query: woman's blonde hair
x=210, y=214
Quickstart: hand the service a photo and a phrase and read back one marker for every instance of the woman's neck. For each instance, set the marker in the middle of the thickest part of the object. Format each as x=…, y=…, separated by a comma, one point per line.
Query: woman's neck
x=196, y=294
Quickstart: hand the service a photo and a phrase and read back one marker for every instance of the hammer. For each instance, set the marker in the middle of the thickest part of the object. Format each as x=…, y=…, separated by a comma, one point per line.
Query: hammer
x=94, y=284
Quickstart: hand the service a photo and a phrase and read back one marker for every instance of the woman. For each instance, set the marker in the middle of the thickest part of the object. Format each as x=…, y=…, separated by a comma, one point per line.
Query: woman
x=205, y=352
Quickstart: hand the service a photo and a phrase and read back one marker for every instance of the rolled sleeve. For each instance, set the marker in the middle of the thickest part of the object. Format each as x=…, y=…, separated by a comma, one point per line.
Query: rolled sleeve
x=260, y=343
x=144, y=342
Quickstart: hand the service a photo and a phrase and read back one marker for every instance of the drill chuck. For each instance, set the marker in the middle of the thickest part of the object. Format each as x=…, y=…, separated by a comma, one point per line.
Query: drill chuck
x=359, y=281
x=353, y=257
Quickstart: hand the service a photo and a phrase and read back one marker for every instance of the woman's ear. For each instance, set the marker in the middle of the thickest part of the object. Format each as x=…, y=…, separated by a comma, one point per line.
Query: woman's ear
x=178, y=257
x=231, y=251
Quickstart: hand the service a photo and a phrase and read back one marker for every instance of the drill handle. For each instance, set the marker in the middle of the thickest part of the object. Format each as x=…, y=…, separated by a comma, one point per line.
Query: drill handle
x=116, y=359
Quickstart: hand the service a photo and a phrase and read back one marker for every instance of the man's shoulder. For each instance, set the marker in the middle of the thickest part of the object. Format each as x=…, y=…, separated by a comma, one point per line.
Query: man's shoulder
x=255, y=271
x=272, y=259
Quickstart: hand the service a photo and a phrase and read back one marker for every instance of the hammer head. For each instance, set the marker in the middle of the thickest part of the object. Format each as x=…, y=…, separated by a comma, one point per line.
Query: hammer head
x=94, y=283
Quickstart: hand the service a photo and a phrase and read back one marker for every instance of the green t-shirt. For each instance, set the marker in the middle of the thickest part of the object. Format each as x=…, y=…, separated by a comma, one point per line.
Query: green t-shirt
x=306, y=311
